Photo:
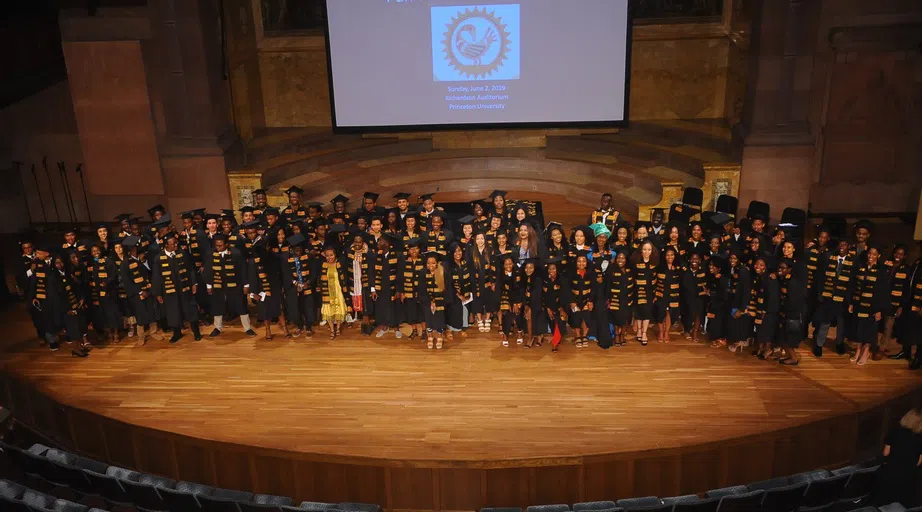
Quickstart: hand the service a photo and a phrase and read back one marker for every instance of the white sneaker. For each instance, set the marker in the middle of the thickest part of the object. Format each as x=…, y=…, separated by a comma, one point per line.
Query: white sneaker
x=398, y=334
x=380, y=333
x=323, y=322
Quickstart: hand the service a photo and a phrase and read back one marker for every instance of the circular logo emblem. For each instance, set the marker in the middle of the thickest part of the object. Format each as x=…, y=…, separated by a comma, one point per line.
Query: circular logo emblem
x=476, y=43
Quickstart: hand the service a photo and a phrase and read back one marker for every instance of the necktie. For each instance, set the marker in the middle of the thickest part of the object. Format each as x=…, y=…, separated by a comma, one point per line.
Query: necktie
x=839, y=267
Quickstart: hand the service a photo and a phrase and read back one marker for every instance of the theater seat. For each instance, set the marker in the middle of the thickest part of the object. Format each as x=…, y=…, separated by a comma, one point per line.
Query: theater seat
x=223, y=500
x=784, y=499
x=645, y=501
x=727, y=491
x=359, y=507
x=68, y=506
x=11, y=490
x=108, y=487
x=892, y=507
x=548, y=508
x=824, y=491
x=144, y=495
x=593, y=505
x=688, y=498
x=184, y=496
x=771, y=483
x=746, y=502
x=264, y=502
x=316, y=505
x=705, y=505
x=37, y=500
x=506, y=509
x=810, y=476
x=13, y=505
x=860, y=484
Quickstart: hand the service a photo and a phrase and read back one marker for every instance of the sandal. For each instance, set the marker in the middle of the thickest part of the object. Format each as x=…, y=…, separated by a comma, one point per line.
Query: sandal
x=332, y=334
x=486, y=325
x=438, y=343
x=413, y=334
x=643, y=342
x=505, y=343
x=480, y=326
x=554, y=350
x=519, y=340
x=429, y=344
x=309, y=333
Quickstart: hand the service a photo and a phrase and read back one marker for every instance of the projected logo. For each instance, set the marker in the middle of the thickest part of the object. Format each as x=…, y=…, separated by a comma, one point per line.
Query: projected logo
x=475, y=43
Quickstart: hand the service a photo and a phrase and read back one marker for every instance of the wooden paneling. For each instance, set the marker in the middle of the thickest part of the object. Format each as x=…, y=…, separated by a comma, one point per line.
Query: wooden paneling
x=609, y=480
x=155, y=454
x=89, y=437
x=462, y=489
x=554, y=484
x=412, y=488
x=702, y=470
x=657, y=476
x=120, y=444
x=196, y=464
x=507, y=487
x=232, y=469
x=274, y=475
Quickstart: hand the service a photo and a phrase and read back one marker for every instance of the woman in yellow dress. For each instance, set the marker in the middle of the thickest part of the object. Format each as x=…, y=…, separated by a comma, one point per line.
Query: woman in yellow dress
x=333, y=288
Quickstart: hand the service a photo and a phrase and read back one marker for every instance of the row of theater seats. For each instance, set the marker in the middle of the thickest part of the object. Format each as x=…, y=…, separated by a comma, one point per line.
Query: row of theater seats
x=842, y=490
x=123, y=487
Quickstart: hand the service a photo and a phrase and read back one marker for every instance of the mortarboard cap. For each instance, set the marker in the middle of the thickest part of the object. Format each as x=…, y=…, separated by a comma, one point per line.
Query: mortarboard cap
x=438, y=213
x=253, y=224
x=188, y=214
x=296, y=240
x=339, y=199
x=220, y=236
x=227, y=212
x=122, y=216
x=294, y=189
x=131, y=241
x=156, y=208
x=315, y=204
x=271, y=211
x=467, y=219
x=135, y=220
x=552, y=226
x=413, y=242
x=727, y=204
x=246, y=209
x=215, y=216
x=394, y=239
x=259, y=191
x=759, y=210
x=554, y=260
x=864, y=223
x=371, y=195
x=434, y=254
x=401, y=195
x=719, y=219
x=426, y=196
x=500, y=193
x=71, y=229
x=337, y=228
x=163, y=222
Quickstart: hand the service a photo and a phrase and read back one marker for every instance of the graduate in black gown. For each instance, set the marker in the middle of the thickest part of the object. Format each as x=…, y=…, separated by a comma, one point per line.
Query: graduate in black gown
x=644, y=261
x=298, y=287
x=870, y=298
x=792, y=310
x=173, y=284
x=555, y=294
x=532, y=302
x=483, y=281
x=693, y=296
x=459, y=269
x=582, y=292
x=718, y=295
x=509, y=287
x=739, y=323
x=385, y=290
x=767, y=290
x=619, y=287
x=668, y=291
x=102, y=278
x=434, y=287
x=266, y=286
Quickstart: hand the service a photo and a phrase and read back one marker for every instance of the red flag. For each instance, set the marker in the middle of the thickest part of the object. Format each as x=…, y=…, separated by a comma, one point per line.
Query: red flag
x=555, y=339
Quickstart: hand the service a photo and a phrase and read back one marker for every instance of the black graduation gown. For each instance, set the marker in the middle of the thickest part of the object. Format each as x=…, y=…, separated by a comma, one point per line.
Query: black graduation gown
x=428, y=294
x=600, y=327
x=717, y=311
x=555, y=295
x=462, y=287
x=768, y=308
x=42, y=286
x=386, y=267
x=619, y=285
x=693, y=296
x=71, y=313
x=409, y=309
x=136, y=276
x=793, y=308
x=533, y=300
x=227, y=276
x=644, y=289
x=367, y=267
x=486, y=300
x=265, y=277
x=172, y=280
x=908, y=326
x=739, y=329
x=870, y=295
x=102, y=278
x=298, y=286
x=668, y=292
x=581, y=290
x=510, y=296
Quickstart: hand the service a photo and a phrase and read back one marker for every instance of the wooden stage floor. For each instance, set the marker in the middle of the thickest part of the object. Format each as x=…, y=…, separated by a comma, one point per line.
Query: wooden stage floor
x=474, y=404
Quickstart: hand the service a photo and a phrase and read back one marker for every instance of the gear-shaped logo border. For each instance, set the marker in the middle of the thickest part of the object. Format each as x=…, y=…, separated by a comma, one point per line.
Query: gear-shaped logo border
x=483, y=70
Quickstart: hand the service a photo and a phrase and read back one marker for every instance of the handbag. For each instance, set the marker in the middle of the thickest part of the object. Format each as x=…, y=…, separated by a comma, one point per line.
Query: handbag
x=357, y=303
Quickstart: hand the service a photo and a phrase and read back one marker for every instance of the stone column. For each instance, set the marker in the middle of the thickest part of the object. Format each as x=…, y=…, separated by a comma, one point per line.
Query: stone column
x=778, y=142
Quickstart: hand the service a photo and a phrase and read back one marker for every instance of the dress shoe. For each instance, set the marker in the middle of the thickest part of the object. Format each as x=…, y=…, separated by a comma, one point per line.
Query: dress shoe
x=902, y=354
x=197, y=337
x=916, y=363
x=840, y=349
x=214, y=334
x=175, y=338
x=818, y=351
x=250, y=332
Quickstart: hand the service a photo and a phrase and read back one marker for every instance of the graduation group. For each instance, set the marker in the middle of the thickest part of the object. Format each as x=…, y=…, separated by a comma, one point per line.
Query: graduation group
x=400, y=271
